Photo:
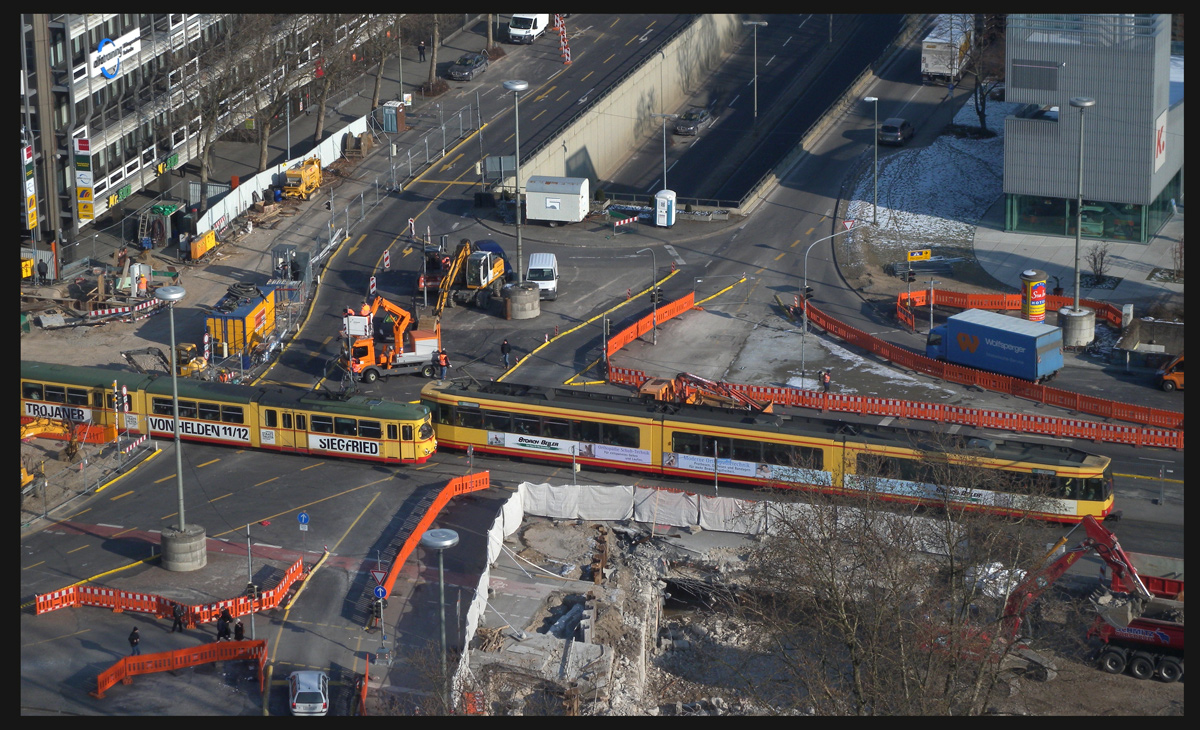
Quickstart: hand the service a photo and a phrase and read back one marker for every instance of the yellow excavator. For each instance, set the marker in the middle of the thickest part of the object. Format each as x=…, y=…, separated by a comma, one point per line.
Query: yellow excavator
x=191, y=364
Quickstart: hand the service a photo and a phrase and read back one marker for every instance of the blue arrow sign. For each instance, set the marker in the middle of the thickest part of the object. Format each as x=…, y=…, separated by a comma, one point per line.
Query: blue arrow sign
x=303, y=517
x=380, y=592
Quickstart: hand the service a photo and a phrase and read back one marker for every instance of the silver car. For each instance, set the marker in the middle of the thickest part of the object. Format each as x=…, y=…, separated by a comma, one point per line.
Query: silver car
x=308, y=693
x=895, y=131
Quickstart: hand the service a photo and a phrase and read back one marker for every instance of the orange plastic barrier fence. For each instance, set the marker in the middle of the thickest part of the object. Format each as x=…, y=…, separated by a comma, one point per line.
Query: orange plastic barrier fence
x=645, y=324
x=127, y=668
x=455, y=487
x=362, y=690
x=83, y=433
x=155, y=605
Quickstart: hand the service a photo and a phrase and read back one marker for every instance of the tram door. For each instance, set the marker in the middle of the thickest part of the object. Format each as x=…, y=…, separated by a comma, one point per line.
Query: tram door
x=408, y=450
x=291, y=429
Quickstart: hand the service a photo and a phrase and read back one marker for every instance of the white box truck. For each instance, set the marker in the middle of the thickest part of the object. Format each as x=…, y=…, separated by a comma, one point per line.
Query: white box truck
x=947, y=48
x=556, y=199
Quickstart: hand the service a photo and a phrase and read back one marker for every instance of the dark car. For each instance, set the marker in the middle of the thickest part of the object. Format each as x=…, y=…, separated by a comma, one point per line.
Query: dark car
x=895, y=131
x=996, y=92
x=467, y=65
x=692, y=120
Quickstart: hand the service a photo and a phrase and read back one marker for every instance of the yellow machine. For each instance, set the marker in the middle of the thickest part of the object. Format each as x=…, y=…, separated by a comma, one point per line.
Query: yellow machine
x=304, y=180
x=190, y=362
x=480, y=271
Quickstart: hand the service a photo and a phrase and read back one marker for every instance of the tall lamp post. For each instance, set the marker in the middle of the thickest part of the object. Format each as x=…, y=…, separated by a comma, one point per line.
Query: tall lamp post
x=874, y=100
x=184, y=547
x=755, y=23
x=1080, y=103
x=653, y=292
x=440, y=540
x=665, y=117
x=516, y=87
x=804, y=293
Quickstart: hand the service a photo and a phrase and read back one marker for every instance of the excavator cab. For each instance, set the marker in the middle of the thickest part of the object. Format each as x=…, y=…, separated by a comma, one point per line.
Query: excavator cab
x=189, y=360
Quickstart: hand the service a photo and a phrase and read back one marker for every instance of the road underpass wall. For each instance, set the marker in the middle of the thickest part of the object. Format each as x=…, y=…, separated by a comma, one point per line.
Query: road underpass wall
x=596, y=143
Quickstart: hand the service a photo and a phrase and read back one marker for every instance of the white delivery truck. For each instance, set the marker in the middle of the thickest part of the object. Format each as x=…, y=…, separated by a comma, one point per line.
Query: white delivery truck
x=556, y=199
x=947, y=48
x=527, y=27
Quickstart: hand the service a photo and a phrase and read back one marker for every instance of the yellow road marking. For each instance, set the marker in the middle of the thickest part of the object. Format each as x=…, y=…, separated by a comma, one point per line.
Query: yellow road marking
x=78, y=549
x=356, y=244
x=781, y=255
x=56, y=638
x=223, y=496
x=545, y=93
x=114, y=499
x=1139, y=476
x=207, y=463
x=266, y=482
x=450, y=164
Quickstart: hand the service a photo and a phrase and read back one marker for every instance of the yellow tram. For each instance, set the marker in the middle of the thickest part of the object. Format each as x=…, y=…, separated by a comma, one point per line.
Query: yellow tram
x=278, y=418
x=769, y=450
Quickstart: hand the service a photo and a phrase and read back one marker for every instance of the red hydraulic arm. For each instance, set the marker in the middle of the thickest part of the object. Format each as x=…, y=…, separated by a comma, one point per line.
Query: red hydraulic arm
x=1099, y=539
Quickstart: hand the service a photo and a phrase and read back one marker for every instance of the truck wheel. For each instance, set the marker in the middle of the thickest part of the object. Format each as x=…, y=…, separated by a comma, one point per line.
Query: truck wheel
x=427, y=371
x=370, y=376
x=1170, y=670
x=1112, y=661
x=1168, y=385
x=1141, y=665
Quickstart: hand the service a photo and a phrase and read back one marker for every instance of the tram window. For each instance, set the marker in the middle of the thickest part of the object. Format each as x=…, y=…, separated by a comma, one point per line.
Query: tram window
x=300, y=421
x=809, y=458
x=187, y=409
x=610, y=433
x=287, y=420
x=56, y=394
x=408, y=432
x=98, y=399
x=588, y=431
x=744, y=450
x=108, y=401
x=31, y=391
x=1093, y=489
x=162, y=407
x=270, y=418
x=556, y=429
x=210, y=411
x=685, y=443
x=777, y=454
x=344, y=426
x=425, y=432
x=497, y=421
x=887, y=467
x=722, y=444
x=468, y=419
x=322, y=424
x=77, y=397
x=527, y=425
x=392, y=431
x=441, y=413
x=370, y=429
x=232, y=414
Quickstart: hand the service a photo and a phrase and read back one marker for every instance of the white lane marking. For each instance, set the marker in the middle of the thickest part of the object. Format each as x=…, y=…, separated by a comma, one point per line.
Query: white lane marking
x=671, y=250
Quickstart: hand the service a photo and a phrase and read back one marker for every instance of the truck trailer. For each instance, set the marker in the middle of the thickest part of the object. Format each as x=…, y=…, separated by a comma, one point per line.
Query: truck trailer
x=998, y=343
x=947, y=48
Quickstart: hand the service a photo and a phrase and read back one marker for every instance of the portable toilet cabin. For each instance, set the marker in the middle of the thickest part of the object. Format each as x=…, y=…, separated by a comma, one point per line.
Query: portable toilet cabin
x=664, y=208
x=556, y=199
x=243, y=322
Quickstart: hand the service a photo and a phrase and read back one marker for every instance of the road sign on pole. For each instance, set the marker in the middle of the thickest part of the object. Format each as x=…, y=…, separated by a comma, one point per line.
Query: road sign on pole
x=921, y=254
x=379, y=577
x=380, y=592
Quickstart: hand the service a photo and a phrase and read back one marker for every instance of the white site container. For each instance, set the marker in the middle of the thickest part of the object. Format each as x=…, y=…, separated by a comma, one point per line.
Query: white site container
x=556, y=199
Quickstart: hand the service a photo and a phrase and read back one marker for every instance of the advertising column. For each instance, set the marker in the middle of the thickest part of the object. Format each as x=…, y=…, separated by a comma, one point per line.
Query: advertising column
x=1033, y=295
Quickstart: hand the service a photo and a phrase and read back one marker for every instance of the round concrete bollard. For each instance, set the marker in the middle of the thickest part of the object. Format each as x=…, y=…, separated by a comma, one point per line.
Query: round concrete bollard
x=523, y=301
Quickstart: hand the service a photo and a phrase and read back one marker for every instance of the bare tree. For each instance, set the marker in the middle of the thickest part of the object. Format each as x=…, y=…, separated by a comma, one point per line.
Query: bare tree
x=336, y=65
x=1099, y=260
x=986, y=61
x=431, y=85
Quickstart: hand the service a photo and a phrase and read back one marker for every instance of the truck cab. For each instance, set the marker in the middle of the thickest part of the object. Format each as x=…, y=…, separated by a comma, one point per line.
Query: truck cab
x=1170, y=376
x=933, y=345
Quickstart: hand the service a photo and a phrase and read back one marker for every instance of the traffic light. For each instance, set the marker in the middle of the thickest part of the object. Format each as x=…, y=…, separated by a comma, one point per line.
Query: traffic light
x=378, y=608
x=251, y=591
x=328, y=205
x=912, y=276
x=657, y=294
x=607, y=327
x=808, y=292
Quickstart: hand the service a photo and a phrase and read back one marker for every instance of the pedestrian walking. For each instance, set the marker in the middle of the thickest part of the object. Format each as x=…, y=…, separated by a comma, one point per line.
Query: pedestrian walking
x=421, y=50
x=825, y=378
x=177, y=614
x=43, y=271
x=239, y=631
x=505, y=350
x=135, y=642
x=443, y=362
x=949, y=89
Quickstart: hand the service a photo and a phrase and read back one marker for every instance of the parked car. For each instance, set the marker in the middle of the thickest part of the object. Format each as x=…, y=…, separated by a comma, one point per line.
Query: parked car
x=996, y=93
x=467, y=65
x=896, y=131
x=692, y=120
x=308, y=693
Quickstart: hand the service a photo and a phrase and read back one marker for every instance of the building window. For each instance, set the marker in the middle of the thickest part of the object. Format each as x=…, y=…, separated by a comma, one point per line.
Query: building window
x=1034, y=75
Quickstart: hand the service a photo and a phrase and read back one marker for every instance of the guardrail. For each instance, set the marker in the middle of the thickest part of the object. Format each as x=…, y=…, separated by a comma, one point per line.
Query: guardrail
x=169, y=661
x=1144, y=435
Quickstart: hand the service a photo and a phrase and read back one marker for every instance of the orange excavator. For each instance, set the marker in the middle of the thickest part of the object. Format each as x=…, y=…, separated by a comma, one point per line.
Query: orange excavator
x=688, y=388
x=407, y=351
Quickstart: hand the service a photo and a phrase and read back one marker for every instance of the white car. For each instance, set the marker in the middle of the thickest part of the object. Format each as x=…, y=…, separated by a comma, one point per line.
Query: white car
x=308, y=693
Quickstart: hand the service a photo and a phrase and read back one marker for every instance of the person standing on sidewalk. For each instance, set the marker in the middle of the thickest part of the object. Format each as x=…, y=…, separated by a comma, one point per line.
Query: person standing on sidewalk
x=135, y=643
x=421, y=50
x=177, y=614
x=505, y=351
x=239, y=631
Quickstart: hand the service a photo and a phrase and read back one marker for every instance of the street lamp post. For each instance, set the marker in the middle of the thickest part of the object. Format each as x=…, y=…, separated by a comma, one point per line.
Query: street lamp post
x=1080, y=103
x=440, y=540
x=875, y=207
x=804, y=295
x=755, y=23
x=931, y=283
x=516, y=87
x=665, y=117
x=653, y=292
x=183, y=549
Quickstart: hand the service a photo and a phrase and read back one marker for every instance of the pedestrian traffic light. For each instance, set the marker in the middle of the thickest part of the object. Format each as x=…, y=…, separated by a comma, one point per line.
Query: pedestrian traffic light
x=912, y=276
x=378, y=608
x=328, y=205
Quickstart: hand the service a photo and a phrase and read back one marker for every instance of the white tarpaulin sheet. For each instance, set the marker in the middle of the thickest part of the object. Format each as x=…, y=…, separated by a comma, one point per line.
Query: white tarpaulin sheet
x=549, y=501
x=664, y=507
x=605, y=503
x=725, y=514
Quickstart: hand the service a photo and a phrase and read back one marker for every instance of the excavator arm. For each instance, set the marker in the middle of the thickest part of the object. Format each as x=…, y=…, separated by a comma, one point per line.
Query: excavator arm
x=451, y=275
x=401, y=317
x=696, y=389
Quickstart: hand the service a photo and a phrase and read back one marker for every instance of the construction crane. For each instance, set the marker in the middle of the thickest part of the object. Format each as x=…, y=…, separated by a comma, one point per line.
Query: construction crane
x=410, y=350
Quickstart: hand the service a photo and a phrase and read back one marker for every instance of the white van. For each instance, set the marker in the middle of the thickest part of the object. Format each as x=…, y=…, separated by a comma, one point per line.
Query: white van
x=543, y=271
x=527, y=27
